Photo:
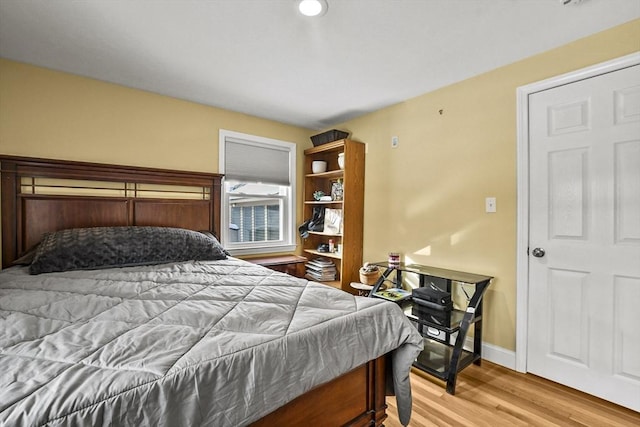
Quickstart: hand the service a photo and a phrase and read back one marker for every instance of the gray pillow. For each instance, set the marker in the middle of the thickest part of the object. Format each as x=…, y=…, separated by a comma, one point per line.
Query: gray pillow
x=107, y=247
x=27, y=258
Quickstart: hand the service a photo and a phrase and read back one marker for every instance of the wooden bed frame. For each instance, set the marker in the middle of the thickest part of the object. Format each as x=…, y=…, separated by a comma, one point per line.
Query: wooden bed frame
x=35, y=200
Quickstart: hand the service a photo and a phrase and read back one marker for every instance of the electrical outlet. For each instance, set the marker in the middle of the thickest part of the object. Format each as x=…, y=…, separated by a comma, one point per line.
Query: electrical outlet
x=490, y=204
x=394, y=142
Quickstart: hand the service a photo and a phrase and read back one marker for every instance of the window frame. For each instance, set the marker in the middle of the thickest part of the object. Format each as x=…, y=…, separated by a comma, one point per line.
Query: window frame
x=288, y=242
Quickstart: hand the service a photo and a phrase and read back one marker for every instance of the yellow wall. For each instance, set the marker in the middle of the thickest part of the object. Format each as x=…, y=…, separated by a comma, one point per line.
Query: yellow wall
x=426, y=198
x=57, y=115
x=49, y=114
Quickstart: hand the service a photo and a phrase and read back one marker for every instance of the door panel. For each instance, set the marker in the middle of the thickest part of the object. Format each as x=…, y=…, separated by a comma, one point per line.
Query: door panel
x=627, y=188
x=627, y=295
x=569, y=334
x=568, y=171
x=584, y=293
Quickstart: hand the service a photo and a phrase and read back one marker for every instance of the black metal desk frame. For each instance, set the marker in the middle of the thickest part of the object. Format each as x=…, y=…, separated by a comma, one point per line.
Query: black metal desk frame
x=454, y=357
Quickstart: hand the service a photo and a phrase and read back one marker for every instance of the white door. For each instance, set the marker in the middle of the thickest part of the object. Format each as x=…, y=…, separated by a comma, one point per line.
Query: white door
x=584, y=236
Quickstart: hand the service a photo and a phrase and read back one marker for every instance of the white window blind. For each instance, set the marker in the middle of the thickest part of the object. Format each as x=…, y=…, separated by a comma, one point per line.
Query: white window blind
x=258, y=194
x=249, y=162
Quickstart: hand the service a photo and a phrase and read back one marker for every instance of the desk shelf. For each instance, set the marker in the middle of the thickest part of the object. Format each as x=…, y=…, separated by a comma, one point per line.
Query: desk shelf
x=443, y=357
x=433, y=318
x=436, y=359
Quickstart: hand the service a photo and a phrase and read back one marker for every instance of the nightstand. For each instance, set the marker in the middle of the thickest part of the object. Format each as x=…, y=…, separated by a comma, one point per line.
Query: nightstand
x=290, y=264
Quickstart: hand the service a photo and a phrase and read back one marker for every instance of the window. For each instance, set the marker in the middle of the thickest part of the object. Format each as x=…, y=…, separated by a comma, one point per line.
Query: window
x=258, y=194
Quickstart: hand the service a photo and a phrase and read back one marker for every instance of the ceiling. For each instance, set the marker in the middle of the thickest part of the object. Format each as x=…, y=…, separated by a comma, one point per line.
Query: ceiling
x=261, y=57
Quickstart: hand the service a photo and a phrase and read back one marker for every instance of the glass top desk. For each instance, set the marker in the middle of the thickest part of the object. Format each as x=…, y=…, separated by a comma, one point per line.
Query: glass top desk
x=444, y=331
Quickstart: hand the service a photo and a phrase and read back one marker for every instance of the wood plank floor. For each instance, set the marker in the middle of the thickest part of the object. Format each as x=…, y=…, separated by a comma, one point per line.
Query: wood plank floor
x=490, y=395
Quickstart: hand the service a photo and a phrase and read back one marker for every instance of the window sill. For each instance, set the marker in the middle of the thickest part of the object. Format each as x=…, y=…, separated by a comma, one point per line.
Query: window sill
x=267, y=250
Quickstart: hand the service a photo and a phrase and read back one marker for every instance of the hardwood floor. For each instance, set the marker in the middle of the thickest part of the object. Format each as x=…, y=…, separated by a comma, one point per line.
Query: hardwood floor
x=490, y=395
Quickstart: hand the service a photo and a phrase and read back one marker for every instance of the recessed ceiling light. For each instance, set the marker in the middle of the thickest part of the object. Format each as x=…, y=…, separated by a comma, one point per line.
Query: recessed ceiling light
x=313, y=7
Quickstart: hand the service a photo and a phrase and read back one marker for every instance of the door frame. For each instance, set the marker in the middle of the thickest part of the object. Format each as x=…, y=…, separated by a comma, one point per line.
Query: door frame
x=522, y=166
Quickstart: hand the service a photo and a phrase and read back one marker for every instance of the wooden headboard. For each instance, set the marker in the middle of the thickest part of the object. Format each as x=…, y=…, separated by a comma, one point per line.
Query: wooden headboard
x=40, y=196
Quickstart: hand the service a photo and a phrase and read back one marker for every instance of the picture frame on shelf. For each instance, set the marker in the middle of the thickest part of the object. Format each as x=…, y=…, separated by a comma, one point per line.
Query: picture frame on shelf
x=333, y=221
x=337, y=192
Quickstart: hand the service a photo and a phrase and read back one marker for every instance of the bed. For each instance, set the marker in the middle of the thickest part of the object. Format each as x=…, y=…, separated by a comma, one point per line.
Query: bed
x=193, y=337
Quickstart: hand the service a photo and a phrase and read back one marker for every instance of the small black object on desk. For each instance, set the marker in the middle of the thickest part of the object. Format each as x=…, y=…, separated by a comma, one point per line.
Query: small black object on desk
x=432, y=297
x=430, y=308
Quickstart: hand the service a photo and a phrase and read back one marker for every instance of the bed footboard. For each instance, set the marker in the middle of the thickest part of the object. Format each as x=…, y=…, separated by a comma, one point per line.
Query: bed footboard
x=357, y=398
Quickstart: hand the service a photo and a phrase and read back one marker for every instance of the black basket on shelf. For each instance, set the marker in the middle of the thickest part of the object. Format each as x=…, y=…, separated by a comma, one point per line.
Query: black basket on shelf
x=328, y=136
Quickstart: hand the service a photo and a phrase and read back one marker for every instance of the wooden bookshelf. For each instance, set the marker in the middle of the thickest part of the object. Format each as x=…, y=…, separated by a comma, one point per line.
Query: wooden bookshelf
x=349, y=261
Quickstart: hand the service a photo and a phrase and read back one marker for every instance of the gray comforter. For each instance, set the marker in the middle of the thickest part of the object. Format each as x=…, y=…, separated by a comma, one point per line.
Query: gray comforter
x=216, y=343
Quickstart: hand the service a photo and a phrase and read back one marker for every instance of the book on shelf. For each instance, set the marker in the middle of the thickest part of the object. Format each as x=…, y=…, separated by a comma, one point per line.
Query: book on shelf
x=316, y=268
x=393, y=294
x=320, y=262
x=322, y=278
x=320, y=270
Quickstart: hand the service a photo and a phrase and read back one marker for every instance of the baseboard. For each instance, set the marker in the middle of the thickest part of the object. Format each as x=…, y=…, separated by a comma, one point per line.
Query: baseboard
x=494, y=354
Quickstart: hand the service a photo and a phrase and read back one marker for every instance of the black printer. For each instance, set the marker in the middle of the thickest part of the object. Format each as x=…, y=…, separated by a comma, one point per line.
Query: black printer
x=432, y=297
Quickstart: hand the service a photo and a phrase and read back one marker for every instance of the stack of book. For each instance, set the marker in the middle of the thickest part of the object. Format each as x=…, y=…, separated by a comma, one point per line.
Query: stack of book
x=321, y=270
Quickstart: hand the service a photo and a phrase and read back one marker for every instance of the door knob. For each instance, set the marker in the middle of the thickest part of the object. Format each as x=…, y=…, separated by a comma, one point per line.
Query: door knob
x=538, y=252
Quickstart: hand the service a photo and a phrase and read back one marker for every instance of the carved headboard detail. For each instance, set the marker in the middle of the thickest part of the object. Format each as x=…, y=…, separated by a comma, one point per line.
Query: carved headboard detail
x=40, y=195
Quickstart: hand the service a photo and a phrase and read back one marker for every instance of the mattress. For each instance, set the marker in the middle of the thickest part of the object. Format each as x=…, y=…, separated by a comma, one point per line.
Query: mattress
x=220, y=343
